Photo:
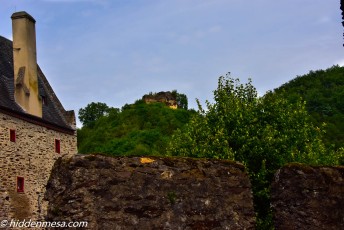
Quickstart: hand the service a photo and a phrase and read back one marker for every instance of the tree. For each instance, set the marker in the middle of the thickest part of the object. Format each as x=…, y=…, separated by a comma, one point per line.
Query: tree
x=93, y=112
x=182, y=99
x=263, y=133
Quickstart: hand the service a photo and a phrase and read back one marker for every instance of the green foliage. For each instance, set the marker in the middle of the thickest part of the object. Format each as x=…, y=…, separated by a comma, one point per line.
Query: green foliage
x=264, y=133
x=137, y=129
x=92, y=112
x=323, y=90
x=241, y=126
x=182, y=99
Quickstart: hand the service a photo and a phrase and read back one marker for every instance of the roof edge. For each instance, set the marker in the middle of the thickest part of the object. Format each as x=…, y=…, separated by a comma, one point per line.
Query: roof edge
x=37, y=121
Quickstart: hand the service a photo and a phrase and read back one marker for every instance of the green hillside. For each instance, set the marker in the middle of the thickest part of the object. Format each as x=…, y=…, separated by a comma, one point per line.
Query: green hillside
x=137, y=129
x=323, y=91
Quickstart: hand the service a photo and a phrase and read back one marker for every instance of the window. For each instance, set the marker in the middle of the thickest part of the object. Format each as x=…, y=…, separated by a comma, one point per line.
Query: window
x=20, y=184
x=12, y=135
x=57, y=146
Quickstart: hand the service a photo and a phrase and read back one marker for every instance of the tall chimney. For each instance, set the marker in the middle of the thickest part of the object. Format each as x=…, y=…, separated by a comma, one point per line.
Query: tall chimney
x=25, y=63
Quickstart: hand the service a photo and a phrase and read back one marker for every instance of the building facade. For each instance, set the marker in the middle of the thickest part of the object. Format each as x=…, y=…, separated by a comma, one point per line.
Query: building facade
x=35, y=129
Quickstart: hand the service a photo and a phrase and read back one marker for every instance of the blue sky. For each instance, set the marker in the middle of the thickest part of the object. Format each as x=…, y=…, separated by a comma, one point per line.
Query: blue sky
x=115, y=51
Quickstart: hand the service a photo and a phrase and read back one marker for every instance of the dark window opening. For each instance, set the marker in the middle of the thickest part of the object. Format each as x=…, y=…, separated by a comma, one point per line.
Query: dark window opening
x=44, y=100
x=20, y=184
x=57, y=146
x=12, y=135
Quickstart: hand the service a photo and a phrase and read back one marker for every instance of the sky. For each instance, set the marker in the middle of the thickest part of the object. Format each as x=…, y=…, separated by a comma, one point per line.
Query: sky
x=115, y=51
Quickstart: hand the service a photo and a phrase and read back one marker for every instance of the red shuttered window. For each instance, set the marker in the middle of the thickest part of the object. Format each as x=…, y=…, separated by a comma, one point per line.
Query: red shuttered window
x=57, y=146
x=12, y=135
x=20, y=184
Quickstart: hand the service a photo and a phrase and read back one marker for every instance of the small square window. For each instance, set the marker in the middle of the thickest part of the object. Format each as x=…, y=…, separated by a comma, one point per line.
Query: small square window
x=57, y=146
x=12, y=135
x=20, y=184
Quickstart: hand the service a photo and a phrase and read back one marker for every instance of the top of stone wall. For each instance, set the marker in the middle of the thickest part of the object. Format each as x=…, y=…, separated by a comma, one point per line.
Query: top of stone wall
x=148, y=193
x=305, y=197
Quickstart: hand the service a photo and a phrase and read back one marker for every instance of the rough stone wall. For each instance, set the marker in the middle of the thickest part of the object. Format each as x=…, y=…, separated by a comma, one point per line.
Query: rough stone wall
x=305, y=197
x=31, y=156
x=150, y=193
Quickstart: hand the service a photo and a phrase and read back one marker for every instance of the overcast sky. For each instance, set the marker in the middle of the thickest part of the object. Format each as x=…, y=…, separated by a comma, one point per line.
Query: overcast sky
x=115, y=51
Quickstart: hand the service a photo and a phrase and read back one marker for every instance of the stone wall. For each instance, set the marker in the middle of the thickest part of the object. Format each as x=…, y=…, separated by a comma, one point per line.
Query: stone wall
x=32, y=157
x=305, y=197
x=184, y=193
x=150, y=193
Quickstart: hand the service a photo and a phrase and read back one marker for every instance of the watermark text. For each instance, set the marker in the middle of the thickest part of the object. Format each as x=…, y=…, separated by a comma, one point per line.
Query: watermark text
x=42, y=224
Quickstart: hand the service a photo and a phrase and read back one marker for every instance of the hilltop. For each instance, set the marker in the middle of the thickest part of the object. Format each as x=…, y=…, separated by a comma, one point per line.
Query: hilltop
x=136, y=129
x=323, y=91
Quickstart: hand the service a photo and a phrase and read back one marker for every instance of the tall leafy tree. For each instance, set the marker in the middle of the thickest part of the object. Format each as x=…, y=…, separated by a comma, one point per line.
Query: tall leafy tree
x=264, y=133
x=92, y=112
x=182, y=99
x=241, y=124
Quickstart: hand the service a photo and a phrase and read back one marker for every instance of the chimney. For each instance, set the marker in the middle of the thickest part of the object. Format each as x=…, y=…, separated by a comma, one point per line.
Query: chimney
x=25, y=63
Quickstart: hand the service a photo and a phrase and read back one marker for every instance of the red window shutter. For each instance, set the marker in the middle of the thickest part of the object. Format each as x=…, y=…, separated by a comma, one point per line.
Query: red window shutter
x=57, y=146
x=20, y=184
x=12, y=135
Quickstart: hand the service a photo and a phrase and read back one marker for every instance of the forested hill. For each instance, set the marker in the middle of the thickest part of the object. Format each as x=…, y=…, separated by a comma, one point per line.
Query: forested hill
x=136, y=129
x=146, y=129
x=323, y=91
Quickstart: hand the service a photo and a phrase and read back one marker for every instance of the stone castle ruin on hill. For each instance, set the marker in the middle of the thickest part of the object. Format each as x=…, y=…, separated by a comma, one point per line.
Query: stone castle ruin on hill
x=35, y=129
x=164, y=97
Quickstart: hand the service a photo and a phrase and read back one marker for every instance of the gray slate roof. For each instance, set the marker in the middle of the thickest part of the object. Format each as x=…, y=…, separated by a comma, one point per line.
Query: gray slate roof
x=53, y=111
